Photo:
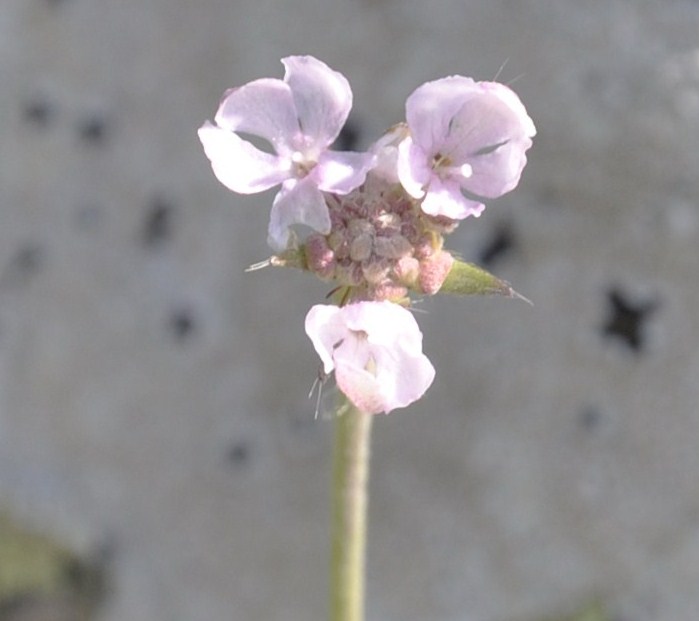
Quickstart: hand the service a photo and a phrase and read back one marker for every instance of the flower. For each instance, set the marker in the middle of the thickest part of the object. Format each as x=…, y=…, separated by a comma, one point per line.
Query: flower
x=464, y=136
x=375, y=349
x=299, y=117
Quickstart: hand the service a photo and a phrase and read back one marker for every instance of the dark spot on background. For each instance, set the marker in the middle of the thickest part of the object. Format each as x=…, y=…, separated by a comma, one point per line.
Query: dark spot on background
x=38, y=111
x=627, y=318
x=26, y=261
x=182, y=324
x=500, y=244
x=238, y=453
x=157, y=227
x=87, y=577
x=93, y=129
x=590, y=417
x=348, y=138
x=28, y=258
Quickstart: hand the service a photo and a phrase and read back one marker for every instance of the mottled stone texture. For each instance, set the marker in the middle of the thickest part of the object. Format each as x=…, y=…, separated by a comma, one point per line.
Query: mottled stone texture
x=153, y=396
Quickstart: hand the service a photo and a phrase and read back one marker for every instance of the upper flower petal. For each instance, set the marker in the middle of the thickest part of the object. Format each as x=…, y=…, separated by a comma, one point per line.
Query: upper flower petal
x=431, y=107
x=262, y=108
x=444, y=198
x=298, y=202
x=414, y=169
x=341, y=172
x=238, y=164
x=322, y=98
x=491, y=133
x=497, y=172
x=385, y=150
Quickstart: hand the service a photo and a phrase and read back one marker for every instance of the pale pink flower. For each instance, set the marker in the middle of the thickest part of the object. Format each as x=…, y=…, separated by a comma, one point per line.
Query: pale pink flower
x=299, y=117
x=465, y=136
x=375, y=349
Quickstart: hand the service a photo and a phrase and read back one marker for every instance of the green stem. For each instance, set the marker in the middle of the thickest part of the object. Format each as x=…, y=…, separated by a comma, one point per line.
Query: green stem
x=349, y=509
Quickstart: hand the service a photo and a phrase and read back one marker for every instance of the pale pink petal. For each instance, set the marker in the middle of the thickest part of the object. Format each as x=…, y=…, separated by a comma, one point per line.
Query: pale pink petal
x=497, y=172
x=414, y=168
x=385, y=323
x=326, y=329
x=340, y=350
x=402, y=373
x=403, y=376
x=322, y=98
x=382, y=378
x=263, y=108
x=375, y=349
x=431, y=107
x=444, y=198
x=363, y=389
x=238, y=164
x=490, y=133
x=385, y=151
x=298, y=202
x=512, y=100
x=340, y=172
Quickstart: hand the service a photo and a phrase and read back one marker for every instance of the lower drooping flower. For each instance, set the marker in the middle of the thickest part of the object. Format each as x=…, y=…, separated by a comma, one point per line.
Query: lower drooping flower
x=375, y=349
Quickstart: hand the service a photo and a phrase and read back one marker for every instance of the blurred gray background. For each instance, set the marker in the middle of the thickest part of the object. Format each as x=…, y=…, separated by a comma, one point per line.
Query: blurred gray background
x=153, y=396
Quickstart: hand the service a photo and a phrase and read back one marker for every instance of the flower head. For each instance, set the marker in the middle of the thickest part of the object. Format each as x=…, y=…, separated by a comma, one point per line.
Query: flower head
x=379, y=218
x=299, y=117
x=464, y=136
x=375, y=349
x=381, y=246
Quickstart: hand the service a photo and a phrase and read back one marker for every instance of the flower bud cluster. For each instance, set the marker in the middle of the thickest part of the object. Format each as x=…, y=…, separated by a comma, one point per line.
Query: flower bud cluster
x=381, y=245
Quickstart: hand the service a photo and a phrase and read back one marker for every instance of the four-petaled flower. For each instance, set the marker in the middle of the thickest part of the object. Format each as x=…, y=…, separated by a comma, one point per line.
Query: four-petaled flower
x=375, y=349
x=300, y=117
x=465, y=136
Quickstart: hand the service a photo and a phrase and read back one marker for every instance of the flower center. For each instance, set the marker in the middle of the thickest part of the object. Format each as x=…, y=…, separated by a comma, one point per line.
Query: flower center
x=301, y=164
x=443, y=166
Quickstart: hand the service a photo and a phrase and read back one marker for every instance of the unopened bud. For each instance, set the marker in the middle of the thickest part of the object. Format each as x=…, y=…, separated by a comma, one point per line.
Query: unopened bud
x=434, y=271
x=375, y=270
x=407, y=271
x=349, y=273
x=319, y=257
x=393, y=247
x=389, y=291
x=361, y=247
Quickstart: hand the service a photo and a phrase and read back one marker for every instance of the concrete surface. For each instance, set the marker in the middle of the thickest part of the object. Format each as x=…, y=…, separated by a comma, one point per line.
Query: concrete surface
x=153, y=396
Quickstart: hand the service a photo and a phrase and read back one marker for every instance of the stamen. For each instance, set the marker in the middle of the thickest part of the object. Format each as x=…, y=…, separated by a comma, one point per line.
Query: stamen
x=371, y=365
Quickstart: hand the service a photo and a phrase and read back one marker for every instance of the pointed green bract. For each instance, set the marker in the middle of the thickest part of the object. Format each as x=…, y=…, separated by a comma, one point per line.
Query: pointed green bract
x=469, y=279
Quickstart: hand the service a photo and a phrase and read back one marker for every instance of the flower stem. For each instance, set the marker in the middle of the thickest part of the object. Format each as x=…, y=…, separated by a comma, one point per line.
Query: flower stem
x=349, y=510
